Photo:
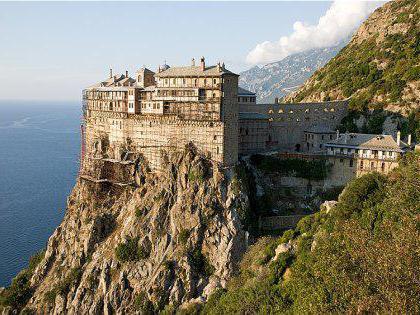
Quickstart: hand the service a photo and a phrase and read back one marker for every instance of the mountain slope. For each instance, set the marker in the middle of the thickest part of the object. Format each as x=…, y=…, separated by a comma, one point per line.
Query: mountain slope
x=379, y=68
x=279, y=78
x=358, y=255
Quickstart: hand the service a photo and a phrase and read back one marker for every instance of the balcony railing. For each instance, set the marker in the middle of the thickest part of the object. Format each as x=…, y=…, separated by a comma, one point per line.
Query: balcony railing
x=362, y=156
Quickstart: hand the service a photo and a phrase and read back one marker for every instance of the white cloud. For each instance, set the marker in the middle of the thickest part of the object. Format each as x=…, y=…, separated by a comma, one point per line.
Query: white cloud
x=340, y=20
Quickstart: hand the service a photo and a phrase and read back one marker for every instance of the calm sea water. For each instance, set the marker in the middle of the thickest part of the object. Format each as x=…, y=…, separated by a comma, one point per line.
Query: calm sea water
x=39, y=150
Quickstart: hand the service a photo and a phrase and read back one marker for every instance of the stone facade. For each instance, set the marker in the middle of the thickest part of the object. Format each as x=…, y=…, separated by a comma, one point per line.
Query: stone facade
x=163, y=111
x=288, y=122
x=354, y=154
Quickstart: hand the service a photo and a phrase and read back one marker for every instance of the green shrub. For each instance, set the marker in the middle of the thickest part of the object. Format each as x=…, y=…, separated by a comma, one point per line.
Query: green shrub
x=184, y=234
x=143, y=304
x=20, y=290
x=316, y=169
x=127, y=251
x=195, y=176
x=141, y=211
x=131, y=251
x=50, y=296
x=200, y=262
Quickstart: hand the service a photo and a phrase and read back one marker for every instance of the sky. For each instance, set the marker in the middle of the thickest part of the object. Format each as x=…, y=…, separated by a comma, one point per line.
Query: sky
x=51, y=51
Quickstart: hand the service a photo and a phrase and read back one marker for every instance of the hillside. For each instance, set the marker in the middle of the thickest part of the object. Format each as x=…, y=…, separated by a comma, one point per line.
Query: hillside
x=379, y=68
x=168, y=238
x=358, y=255
x=279, y=78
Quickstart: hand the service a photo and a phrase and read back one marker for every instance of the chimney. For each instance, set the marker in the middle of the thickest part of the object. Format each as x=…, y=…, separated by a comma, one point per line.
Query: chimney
x=193, y=62
x=110, y=73
x=126, y=73
x=338, y=134
x=409, y=140
x=398, y=138
x=202, y=64
x=219, y=68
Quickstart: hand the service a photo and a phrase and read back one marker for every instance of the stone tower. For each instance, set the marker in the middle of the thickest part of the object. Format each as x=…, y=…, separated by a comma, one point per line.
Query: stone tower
x=145, y=77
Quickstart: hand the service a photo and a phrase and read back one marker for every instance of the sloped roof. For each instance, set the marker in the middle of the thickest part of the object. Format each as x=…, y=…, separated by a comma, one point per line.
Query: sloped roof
x=115, y=81
x=145, y=70
x=242, y=91
x=367, y=141
x=194, y=71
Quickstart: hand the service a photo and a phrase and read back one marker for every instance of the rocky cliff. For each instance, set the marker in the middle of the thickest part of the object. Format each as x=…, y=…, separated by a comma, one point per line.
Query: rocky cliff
x=169, y=238
x=379, y=68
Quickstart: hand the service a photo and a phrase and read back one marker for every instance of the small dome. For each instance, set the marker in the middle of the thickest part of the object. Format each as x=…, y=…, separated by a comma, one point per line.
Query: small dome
x=164, y=67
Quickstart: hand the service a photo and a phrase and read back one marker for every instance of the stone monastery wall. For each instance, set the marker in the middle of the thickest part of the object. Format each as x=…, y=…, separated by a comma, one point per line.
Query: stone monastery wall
x=110, y=135
x=287, y=122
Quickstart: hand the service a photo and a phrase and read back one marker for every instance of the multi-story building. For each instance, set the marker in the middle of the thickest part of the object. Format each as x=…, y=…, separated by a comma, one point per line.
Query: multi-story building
x=315, y=138
x=355, y=154
x=163, y=111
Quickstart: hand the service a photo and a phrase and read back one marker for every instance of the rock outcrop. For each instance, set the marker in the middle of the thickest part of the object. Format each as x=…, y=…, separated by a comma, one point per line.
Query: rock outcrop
x=170, y=238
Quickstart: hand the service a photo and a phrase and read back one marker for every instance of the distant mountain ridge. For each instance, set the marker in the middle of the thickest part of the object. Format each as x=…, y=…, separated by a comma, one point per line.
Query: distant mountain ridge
x=379, y=68
x=279, y=78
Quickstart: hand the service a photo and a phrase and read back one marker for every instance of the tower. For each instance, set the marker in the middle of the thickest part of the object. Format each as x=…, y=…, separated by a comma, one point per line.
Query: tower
x=145, y=77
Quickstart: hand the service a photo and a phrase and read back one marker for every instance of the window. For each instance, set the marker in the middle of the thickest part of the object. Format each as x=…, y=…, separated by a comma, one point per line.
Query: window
x=331, y=137
x=341, y=160
x=351, y=163
x=383, y=166
x=322, y=137
x=214, y=81
x=361, y=165
x=372, y=165
x=214, y=137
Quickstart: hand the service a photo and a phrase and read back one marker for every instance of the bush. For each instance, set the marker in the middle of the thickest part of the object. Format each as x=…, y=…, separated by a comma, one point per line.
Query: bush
x=127, y=251
x=195, y=176
x=50, y=296
x=316, y=169
x=141, y=211
x=200, y=262
x=143, y=304
x=184, y=234
x=20, y=291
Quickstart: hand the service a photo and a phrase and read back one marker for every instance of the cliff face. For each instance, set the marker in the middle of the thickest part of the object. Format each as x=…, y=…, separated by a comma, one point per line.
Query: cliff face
x=170, y=238
x=380, y=67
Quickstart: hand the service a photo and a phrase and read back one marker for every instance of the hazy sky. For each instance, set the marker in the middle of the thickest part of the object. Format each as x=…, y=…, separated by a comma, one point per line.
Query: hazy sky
x=52, y=50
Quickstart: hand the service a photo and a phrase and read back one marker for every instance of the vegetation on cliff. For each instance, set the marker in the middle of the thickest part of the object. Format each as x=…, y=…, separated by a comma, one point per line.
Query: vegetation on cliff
x=170, y=238
x=359, y=255
x=315, y=170
x=379, y=67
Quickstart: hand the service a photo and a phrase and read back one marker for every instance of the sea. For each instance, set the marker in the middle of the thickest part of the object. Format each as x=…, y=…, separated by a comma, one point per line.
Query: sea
x=39, y=160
